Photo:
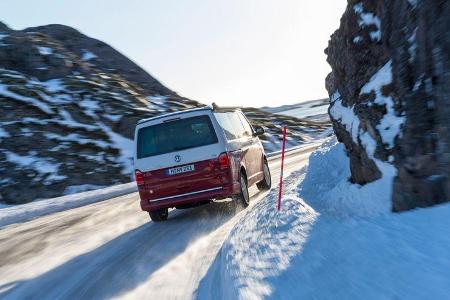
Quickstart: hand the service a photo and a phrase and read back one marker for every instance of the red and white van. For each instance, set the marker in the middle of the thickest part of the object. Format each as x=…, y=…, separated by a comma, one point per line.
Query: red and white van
x=192, y=157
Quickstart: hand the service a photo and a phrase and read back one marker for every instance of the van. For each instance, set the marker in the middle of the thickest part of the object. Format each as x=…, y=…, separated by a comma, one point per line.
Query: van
x=192, y=157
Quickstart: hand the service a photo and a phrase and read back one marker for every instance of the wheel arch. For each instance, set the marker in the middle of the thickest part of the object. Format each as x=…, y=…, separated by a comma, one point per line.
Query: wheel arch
x=244, y=171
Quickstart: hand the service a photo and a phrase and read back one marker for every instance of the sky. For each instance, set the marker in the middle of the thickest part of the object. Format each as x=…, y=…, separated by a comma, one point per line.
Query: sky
x=232, y=52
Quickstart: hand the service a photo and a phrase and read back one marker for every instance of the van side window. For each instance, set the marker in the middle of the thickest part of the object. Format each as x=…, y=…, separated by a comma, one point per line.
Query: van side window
x=239, y=129
x=227, y=127
x=231, y=125
x=247, y=126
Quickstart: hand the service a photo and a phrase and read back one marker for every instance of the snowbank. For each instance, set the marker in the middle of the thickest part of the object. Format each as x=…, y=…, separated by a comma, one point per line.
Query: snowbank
x=327, y=187
x=25, y=212
x=333, y=240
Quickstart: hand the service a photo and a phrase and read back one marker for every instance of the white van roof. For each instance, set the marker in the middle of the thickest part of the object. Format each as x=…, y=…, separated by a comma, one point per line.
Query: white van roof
x=174, y=114
x=206, y=108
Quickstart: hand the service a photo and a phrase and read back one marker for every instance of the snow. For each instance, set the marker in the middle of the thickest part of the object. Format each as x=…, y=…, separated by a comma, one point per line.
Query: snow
x=315, y=111
x=25, y=212
x=412, y=49
x=336, y=194
x=113, y=118
x=305, y=112
x=413, y=3
x=89, y=106
x=87, y=55
x=4, y=205
x=390, y=124
x=32, y=101
x=375, y=35
x=44, y=50
x=26, y=131
x=332, y=240
x=367, y=19
x=126, y=148
x=3, y=133
x=345, y=115
x=157, y=99
x=380, y=78
x=357, y=39
x=76, y=195
x=41, y=165
x=76, y=138
x=11, y=74
x=157, y=102
x=389, y=127
x=53, y=85
x=74, y=189
x=2, y=36
x=71, y=123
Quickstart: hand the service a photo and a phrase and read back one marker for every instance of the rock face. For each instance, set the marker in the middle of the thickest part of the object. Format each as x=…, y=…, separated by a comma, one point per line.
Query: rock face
x=390, y=96
x=66, y=119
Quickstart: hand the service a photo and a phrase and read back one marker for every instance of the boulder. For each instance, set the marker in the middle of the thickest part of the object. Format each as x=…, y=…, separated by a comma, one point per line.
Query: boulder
x=390, y=95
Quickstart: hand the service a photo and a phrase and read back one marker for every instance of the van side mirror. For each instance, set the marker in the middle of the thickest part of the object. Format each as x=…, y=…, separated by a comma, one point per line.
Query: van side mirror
x=259, y=130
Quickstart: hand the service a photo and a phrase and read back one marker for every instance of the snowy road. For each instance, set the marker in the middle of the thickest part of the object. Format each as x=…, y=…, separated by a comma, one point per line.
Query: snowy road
x=112, y=250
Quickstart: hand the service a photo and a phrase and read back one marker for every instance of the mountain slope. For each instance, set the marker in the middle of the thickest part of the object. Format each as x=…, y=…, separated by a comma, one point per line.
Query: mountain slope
x=59, y=135
x=102, y=56
x=69, y=106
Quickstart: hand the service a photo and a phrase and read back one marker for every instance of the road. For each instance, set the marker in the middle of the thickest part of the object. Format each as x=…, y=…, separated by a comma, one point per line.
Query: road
x=112, y=250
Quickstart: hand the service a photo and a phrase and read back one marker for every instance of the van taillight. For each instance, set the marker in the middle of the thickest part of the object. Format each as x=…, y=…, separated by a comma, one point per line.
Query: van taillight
x=224, y=161
x=139, y=177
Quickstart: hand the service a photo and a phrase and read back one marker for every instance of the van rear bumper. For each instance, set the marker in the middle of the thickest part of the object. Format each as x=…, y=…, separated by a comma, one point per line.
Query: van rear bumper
x=189, y=198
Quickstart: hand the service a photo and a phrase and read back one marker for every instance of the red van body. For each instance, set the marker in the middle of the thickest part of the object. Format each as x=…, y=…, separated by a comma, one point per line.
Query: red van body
x=191, y=157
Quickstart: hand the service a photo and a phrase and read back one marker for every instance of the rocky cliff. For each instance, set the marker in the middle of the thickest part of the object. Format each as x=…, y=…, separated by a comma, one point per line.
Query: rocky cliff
x=390, y=96
x=68, y=108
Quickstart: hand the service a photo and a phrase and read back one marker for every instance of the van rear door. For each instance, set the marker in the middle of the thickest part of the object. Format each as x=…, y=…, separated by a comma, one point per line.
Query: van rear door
x=179, y=155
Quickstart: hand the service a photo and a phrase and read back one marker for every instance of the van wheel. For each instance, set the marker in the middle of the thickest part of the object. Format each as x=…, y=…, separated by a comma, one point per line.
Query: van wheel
x=266, y=183
x=243, y=197
x=159, y=215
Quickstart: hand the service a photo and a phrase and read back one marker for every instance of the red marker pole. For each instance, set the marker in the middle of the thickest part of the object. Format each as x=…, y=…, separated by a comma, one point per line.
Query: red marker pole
x=282, y=164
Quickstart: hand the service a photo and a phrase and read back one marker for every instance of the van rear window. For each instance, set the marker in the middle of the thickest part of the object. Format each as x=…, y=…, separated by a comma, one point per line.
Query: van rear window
x=175, y=135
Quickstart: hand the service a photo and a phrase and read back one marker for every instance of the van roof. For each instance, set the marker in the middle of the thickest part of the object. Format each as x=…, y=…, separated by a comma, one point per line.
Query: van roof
x=215, y=108
x=175, y=113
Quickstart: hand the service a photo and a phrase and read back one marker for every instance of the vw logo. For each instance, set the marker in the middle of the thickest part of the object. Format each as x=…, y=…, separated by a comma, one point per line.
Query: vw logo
x=177, y=158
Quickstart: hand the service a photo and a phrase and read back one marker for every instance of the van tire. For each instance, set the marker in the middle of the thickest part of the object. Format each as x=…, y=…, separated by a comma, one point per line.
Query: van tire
x=159, y=215
x=243, y=197
x=266, y=183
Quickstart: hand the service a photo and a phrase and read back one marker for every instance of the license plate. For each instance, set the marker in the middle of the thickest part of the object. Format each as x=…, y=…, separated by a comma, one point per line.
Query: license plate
x=179, y=170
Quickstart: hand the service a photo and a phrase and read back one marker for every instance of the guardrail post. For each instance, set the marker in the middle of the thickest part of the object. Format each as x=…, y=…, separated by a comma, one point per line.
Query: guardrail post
x=282, y=165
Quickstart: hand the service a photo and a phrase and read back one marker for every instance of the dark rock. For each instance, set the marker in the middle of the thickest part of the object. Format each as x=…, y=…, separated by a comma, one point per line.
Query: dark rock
x=107, y=58
x=423, y=83
x=415, y=40
x=4, y=27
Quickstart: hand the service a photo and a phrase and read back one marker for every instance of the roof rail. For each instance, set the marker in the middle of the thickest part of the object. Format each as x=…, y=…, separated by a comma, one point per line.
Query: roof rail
x=173, y=114
x=218, y=108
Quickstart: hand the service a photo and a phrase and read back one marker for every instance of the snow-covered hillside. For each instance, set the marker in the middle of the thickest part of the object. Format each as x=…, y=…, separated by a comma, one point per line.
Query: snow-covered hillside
x=300, y=131
x=67, y=117
x=333, y=239
x=314, y=110
x=70, y=134
x=74, y=134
